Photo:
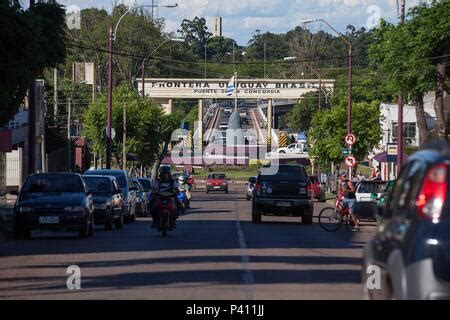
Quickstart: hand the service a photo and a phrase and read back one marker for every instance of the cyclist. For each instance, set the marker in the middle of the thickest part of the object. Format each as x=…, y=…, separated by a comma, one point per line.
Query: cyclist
x=347, y=190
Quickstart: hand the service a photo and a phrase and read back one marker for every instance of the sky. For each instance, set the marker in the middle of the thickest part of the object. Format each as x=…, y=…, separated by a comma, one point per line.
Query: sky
x=241, y=18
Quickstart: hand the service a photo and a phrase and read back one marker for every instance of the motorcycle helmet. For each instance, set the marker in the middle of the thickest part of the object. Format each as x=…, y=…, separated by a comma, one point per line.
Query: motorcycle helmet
x=182, y=179
x=164, y=170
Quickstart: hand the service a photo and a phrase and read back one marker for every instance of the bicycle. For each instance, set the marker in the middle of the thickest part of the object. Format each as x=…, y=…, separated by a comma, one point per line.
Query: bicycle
x=332, y=219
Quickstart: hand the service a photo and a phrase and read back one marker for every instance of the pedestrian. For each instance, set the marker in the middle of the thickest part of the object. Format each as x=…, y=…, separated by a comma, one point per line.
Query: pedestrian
x=360, y=176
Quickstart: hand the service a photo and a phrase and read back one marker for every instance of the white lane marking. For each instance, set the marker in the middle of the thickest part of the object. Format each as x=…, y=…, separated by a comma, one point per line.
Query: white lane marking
x=248, y=274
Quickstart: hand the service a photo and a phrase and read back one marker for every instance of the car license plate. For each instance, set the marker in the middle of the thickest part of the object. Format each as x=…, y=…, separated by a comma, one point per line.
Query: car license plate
x=216, y=187
x=48, y=220
x=284, y=204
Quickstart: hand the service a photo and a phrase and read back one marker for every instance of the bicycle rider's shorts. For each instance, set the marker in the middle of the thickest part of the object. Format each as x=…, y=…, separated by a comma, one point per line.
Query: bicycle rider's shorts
x=349, y=203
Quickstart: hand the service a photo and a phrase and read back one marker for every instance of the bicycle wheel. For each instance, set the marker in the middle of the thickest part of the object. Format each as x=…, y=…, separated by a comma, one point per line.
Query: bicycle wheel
x=330, y=219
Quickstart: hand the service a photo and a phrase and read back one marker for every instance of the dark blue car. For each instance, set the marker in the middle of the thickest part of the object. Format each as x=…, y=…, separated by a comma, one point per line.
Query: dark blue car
x=410, y=252
x=54, y=201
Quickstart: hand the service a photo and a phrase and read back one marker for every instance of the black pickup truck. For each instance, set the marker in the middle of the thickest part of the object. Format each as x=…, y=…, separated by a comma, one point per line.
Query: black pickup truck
x=283, y=192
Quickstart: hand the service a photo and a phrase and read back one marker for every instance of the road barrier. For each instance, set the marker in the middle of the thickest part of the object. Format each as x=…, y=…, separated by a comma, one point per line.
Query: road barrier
x=283, y=139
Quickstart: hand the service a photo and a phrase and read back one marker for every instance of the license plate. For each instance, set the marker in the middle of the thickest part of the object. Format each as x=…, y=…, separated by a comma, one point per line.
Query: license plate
x=48, y=220
x=284, y=204
x=216, y=187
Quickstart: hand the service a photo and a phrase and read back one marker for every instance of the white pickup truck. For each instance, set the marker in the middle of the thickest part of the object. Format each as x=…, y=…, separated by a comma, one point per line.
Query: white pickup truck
x=295, y=148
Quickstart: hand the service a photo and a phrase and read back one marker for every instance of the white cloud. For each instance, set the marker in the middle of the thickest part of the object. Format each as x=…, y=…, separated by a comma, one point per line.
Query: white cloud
x=242, y=17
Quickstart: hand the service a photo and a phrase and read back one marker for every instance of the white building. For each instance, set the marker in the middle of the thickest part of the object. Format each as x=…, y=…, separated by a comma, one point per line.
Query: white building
x=389, y=114
x=217, y=26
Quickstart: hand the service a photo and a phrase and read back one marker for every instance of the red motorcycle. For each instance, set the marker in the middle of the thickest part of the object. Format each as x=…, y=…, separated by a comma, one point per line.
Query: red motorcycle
x=166, y=210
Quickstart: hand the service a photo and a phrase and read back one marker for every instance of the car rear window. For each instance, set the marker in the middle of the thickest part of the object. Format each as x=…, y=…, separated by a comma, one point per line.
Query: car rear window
x=287, y=173
x=217, y=176
x=53, y=183
x=146, y=184
x=313, y=179
x=120, y=176
x=366, y=187
x=99, y=185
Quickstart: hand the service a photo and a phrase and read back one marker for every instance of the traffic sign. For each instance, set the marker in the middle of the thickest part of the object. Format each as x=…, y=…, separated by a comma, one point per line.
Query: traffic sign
x=392, y=150
x=345, y=152
x=350, y=139
x=350, y=161
x=113, y=133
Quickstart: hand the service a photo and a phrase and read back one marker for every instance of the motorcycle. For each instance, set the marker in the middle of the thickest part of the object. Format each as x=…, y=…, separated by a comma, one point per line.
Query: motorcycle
x=166, y=211
x=182, y=198
x=250, y=188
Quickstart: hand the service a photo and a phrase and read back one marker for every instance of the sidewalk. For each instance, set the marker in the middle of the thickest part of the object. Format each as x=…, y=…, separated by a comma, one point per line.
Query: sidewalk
x=6, y=212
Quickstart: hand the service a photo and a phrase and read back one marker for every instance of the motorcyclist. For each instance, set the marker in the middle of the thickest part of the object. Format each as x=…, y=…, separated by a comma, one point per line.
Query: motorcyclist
x=165, y=184
x=184, y=186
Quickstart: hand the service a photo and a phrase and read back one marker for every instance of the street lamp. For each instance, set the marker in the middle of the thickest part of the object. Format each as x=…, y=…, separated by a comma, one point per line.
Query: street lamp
x=350, y=75
x=112, y=38
x=149, y=55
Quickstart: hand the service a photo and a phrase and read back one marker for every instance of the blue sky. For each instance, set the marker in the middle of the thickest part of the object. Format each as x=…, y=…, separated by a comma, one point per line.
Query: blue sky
x=242, y=17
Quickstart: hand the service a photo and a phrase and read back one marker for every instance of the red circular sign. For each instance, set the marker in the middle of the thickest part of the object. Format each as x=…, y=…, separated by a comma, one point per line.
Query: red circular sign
x=350, y=162
x=350, y=139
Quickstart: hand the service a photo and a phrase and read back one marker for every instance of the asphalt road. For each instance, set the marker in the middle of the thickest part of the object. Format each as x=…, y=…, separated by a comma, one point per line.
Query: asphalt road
x=215, y=253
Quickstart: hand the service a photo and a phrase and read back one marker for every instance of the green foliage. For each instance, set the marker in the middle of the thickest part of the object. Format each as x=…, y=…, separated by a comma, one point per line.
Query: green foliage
x=330, y=127
x=299, y=119
x=147, y=126
x=31, y=40
x=192, y=117
x=220, y=48
x=196, y=34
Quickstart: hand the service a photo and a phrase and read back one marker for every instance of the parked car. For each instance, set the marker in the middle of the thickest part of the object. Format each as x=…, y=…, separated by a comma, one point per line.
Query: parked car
x=411, y=246
x=108, y=201
x=141, y=198
x=54, y=201
x=285, y=193
x=366, y=189
x=217, y=182
x=382, y=199
x=317, y=190
x=250, y=187
x=148, y=189
x=129, y=197
x=295, y=148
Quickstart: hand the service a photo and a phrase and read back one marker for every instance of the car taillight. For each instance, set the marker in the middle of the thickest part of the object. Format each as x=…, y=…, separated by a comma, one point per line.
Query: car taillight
x=433, y=194
x=258, y=188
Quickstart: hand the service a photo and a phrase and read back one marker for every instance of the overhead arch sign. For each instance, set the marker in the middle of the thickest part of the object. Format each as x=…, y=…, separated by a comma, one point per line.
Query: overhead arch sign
x=217, y=88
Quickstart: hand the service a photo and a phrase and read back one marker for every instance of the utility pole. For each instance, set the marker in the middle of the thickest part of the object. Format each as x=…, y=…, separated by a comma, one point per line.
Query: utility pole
x=206, y=56
x=400, y=142
x=109, y=121
x=124, y=147
x=265, y=58
x=55, y=92
x=32, y=122
x=69, y=138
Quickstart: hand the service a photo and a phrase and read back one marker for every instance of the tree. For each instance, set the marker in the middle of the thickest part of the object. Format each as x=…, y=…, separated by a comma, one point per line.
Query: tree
x=415, y=59
x=145, y=123
x=196, y=34
x=329, y=128
x=299, y=119
x=31, y=40
x=219, y=48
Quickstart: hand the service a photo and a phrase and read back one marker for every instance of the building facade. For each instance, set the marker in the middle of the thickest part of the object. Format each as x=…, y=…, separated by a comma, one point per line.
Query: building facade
x=217, y=26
